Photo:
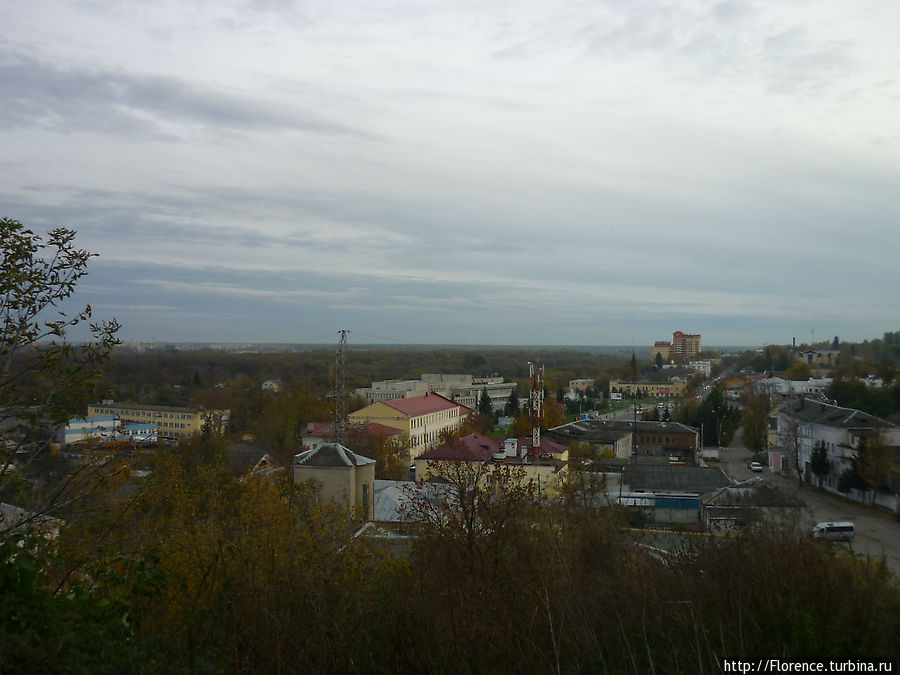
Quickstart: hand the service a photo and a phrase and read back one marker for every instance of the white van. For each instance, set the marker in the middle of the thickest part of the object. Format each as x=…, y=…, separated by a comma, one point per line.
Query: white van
x=840, y=531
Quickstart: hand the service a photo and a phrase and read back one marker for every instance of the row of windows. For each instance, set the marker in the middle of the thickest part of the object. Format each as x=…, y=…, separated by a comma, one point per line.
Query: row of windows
x=145, y=413
x=416, y=422
x=660, y=439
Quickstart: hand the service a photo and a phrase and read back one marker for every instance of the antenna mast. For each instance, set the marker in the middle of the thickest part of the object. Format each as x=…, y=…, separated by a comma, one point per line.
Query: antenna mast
x=536, y=401
x=340, y=389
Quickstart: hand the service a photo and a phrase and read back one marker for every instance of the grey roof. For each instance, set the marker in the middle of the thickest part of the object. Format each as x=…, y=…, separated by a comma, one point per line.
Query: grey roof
x=602, y=429
x=158, y=408
x=674, y=478
x=331, y=454
x=816, y=412
x=754, y=492
x=576, y=431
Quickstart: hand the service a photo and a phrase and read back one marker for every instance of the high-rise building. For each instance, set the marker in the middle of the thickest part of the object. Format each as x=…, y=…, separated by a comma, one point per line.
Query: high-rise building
x=685, y=345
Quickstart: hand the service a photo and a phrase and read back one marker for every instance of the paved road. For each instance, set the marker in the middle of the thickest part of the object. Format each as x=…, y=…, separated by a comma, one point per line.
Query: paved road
x=877, y=532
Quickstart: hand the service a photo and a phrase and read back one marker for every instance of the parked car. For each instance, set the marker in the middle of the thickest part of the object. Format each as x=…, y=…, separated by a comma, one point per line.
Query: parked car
x=755, y=466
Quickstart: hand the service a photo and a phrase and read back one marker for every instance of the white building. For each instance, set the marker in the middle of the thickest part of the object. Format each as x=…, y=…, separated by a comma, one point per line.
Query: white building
x=776, y=385
x=808, y=423
x=463, y=389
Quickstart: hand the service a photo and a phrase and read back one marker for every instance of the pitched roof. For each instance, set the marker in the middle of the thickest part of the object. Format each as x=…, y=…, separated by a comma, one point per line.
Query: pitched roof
x=414, y=406
x=325, y=429
x=754, y=492
x=331, y=454
x=478, y=448
x=675, y=478
x=817, y=412
x=473, y=448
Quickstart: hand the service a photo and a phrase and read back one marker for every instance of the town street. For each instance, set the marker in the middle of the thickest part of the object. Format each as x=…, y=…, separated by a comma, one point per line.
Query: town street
x=877, y=532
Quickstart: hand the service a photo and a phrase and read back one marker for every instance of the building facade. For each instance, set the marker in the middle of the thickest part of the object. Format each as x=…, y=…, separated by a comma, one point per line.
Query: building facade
x=673, y=388
x=663, y=349
x=807, y=423
x=172, y=423
x=545, y=466
x=685, y=345
x=343, y=476
x=663, y=439
x=423, y=418
x=463, y=389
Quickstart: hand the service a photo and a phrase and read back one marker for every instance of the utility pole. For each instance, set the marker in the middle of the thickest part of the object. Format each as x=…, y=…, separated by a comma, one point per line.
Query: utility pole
x=340, y=389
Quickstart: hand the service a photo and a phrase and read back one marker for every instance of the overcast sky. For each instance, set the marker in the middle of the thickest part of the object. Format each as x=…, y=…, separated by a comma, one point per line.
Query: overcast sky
x=597, y=172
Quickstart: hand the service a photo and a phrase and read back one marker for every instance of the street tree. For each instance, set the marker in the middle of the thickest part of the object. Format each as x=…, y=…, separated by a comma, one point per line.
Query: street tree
x=484, y=406
x=799, y=372
x=44, y=378
x=755, y=422
x=553, y=415
x=874, y=460
x=819, y=463
x=512, y=404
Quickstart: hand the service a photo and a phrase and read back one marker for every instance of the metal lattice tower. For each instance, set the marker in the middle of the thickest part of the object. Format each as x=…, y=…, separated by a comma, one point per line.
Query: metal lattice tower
x=536, y=402
x=340, y=389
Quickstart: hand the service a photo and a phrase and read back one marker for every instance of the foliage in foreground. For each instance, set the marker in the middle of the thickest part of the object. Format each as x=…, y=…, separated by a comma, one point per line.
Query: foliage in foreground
x=198, y=572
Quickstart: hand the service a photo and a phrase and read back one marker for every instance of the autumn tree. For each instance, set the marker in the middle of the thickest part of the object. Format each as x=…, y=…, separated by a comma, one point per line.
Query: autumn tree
x=553, y=415
x=521, y=426
x=755, y=422
x=44, y=378
x=789, y=439
x=391, y=453
x=799, y=371
x=875, y=460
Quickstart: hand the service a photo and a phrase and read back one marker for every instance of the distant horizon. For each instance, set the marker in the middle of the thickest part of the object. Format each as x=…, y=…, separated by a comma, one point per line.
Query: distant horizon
x=415, y=345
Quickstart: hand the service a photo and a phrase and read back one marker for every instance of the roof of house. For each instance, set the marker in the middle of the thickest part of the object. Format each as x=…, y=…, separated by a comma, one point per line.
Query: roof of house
x=674, y=478
x=478, y=448
x=817, y=412
x=324, y=429
x=572, y=432
x=159, y=408
x=427, y=403
x=754, y=492
x=331, y=454
x=601, y=429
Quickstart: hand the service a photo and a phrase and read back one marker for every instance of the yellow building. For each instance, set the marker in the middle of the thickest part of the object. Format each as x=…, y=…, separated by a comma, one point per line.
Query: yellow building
x=671, y=389
x=664, y=349
x=548, y=467
x=422, y=417
x=343, y=476
x=172, y=423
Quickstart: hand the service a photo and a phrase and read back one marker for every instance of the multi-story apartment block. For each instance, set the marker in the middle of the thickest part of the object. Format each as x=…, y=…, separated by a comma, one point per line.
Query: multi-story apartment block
x=464, y=389
x=172, y=423
x=664, y=349
x=422, y=417
x=685, y=345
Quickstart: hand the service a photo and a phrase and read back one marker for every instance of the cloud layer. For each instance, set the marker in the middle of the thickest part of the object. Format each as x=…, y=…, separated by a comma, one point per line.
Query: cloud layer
x=557, y=173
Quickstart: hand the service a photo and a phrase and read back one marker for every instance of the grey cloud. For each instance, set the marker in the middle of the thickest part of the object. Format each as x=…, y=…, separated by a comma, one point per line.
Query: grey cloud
x=69, y=99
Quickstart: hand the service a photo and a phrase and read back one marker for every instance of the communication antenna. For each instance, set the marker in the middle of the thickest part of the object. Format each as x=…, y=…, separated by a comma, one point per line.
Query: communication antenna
x=340, y=389
x=536, y=402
